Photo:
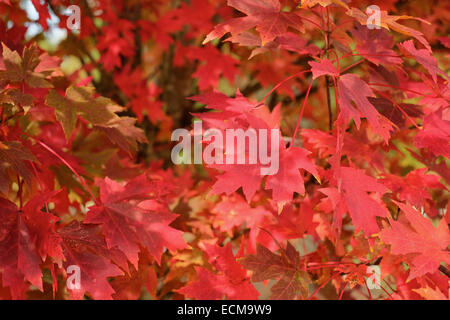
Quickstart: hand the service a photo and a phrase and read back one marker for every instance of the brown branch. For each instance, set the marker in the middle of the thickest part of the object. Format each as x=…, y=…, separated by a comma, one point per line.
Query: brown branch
x=330, y=114
x=444, y=270
x=327, y=79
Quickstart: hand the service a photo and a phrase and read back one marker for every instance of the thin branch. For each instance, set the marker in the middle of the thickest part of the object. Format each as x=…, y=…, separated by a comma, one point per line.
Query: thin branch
x=301, y=113
x=280, y=84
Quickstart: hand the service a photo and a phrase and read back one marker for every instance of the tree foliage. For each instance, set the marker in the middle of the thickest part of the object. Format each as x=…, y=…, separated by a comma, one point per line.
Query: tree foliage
x=86, y=176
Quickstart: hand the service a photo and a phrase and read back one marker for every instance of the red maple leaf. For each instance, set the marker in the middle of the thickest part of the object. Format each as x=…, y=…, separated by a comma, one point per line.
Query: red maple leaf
x=435, y=135
x=286, y=267
x=413, y=187
x=212, y=65
x=265, y=15
x=132, y=218
x=352, y=88
x=288, y=179
x=324, y=67
x=353, y=197
x=239, y=113
x=293, y=223
x=375, y=45
x=416, y=235
x=84, y=247
x=423, y=57
x=233, y=212
x=130, y=286
x=27, y=234
x=231, y=281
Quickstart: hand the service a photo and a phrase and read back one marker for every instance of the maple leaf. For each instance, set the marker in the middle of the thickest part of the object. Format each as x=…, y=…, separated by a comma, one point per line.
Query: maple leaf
x=26, y=235
x=116, y=43
x=266, y=15
x=293, y=223
x=213, y=64
x=23, y=68
x=100, y=111
x=207, y=286
x=392, y=113
x=427, y=91
x=123, y=132
x=238, y=111
x=352, y=88
x=42, y=226
x=429, y=293
x=285, y=267
x=423, y=57
x=288, y=179
x=132, y=218
x=333, y=202
x=19, y=259
x=146, y=106
x=157, y=31
x=233, y=213
x=390, y=22
x=18, y=98
x=353, y=197
x=435, y=135
x=144, y=97
x=283, y=184
x=81, y=101
x=324, y=67
x=230, y=282
x=413, y=187
x=197, y=15
x=362, y=208
x=84, y=247
x=419, y=237
x=236, y=176
x=13, y=155
x=375, y=45
x=355, y=274
x=130, y=286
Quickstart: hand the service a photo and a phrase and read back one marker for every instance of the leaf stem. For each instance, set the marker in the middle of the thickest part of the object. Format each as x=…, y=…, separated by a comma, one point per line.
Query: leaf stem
x=368, y=291
x=301, y=113
x=404, y=89
x=322, y=285
x=343, y=290
x=280, y=84
x=327, y=78
x=311, y=21
x=398, y=107
x=352, y=65
x=45, y=146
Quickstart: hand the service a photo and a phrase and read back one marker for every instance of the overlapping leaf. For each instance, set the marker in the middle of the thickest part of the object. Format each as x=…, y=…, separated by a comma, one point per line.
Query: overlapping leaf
x=132, y=219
